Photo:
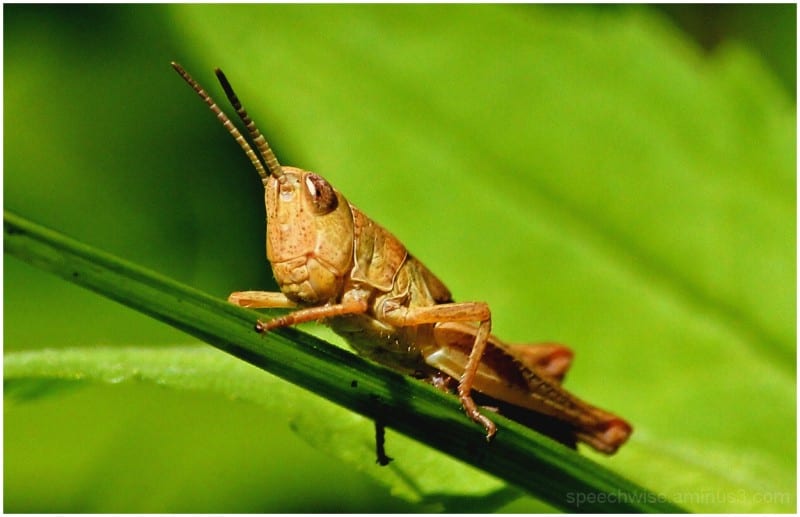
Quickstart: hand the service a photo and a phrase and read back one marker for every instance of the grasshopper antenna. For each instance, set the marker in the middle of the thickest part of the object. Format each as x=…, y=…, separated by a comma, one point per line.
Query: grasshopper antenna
x=258, y=139
x=226, y=122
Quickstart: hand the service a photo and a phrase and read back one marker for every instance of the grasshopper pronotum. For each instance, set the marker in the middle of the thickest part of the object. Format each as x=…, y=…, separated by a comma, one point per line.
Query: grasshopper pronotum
x=334, y=264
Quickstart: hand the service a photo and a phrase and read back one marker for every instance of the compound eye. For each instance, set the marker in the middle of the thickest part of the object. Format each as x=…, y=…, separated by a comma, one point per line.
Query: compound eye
x=323, y=197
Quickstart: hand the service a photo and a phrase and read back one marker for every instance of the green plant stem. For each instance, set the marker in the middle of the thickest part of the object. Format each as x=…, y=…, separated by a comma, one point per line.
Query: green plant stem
x=520, y=456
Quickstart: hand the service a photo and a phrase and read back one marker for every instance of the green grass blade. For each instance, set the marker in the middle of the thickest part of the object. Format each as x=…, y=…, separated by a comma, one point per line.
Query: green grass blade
x=557, y=475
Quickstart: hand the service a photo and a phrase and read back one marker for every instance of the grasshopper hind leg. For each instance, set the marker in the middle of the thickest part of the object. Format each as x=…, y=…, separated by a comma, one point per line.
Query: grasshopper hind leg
x=558, y=430
x=468, y=378
x=449, y=313
x=463, y=350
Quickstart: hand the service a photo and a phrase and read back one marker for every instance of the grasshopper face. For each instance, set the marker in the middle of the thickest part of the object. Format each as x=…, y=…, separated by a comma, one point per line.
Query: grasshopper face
x=309, y=235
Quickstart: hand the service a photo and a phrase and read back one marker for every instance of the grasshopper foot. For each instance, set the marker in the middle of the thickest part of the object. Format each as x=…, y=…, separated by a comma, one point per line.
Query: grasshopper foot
x=263, y=327
x=472, y=411
x=478, y=418
x=489, y=426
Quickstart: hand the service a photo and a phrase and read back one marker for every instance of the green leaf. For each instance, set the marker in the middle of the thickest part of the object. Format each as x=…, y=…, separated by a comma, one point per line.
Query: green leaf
x=589, y=172
x=418, y=474
x=412, y=407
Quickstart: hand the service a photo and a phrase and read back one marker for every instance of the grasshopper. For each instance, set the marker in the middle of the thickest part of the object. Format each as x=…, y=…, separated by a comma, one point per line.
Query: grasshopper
x=335, y=265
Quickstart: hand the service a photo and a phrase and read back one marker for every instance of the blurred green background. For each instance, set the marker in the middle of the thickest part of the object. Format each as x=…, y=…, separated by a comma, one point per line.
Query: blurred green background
x=620, y=178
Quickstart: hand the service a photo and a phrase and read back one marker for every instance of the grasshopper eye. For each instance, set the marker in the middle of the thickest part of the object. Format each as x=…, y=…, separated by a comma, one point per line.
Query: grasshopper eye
x=322, y=194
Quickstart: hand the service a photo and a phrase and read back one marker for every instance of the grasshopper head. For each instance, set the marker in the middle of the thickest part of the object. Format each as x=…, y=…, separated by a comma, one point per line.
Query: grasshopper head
x=309, y=235
x=310, y=226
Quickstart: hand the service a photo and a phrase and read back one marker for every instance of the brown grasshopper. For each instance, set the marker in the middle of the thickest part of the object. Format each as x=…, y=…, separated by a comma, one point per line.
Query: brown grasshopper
x=334, y=264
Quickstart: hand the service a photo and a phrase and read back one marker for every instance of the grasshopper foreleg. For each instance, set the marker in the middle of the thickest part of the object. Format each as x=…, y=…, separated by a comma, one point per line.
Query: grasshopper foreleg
x=270, y=300
x=401, y=316
x=261, y=300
